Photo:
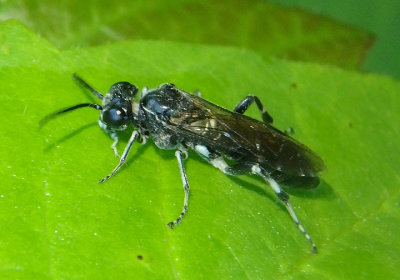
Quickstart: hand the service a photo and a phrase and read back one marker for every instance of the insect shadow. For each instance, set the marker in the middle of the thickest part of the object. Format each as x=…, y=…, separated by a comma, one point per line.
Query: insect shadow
x=69, y=136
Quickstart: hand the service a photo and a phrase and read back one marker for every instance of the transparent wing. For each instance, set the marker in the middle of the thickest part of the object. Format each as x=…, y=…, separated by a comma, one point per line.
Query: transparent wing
x=243, y=138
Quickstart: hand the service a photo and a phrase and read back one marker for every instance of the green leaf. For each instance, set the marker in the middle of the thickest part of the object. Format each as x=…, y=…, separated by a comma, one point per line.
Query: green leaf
x=257, y=25
x=57, y=222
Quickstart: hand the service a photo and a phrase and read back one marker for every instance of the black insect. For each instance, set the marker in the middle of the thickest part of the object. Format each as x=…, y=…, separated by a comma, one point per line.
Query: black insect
x=175, y=119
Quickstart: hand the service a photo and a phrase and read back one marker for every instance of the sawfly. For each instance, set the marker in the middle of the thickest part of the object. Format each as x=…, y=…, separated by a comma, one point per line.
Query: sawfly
x=229, y=140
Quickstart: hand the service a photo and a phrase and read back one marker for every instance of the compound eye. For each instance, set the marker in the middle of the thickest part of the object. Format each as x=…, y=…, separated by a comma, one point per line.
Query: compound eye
x=114, y=118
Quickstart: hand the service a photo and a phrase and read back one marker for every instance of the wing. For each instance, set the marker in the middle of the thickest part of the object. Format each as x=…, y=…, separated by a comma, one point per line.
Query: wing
x=239, y=137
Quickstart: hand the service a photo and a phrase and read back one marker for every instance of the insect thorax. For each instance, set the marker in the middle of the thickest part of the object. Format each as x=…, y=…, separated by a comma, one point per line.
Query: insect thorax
x=155, y=111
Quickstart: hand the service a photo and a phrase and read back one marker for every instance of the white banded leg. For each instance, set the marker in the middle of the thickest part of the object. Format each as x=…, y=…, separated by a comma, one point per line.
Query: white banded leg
x=245, y=104
x=114, y=136
x=123, y=157
x=284, y=197
x=186, y=188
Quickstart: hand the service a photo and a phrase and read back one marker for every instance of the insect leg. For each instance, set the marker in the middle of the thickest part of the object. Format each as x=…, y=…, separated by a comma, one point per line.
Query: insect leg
x=289, y=131
x=247, y=101
x=284, y=197
x=113, y=135
x=123, y=157
x=197, y=92
x=218, y=162
x=186, y=188
x=233, y=170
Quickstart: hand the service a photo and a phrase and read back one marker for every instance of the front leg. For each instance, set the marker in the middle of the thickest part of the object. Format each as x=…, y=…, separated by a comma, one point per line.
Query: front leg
x=284, y=198
x=123, y=158
x=114, y=136
x=250, y=99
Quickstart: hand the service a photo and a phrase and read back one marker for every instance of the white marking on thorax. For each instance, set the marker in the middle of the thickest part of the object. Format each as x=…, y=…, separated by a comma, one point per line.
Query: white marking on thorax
x=135, y=108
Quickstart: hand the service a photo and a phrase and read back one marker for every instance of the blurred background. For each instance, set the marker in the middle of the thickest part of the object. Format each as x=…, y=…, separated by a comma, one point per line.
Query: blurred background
x=362, y=35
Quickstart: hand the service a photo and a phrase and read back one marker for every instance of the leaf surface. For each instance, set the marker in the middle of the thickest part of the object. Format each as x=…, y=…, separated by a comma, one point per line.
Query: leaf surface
x=57, y=222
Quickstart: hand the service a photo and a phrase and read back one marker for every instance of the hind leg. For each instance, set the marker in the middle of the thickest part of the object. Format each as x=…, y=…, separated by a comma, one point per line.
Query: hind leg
x=284, y=198
x=245, y=104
